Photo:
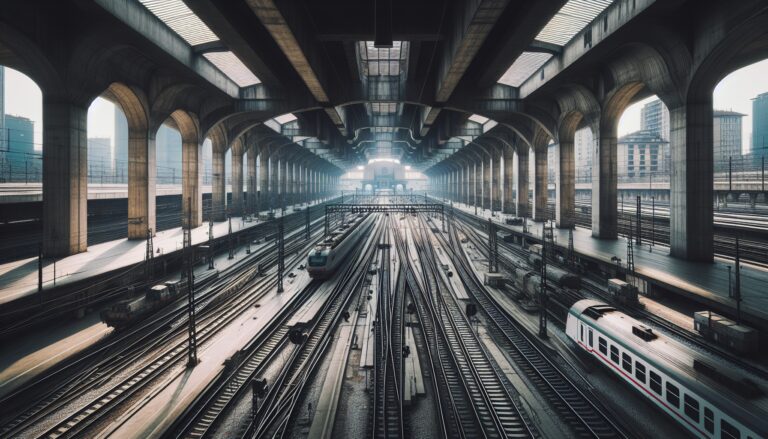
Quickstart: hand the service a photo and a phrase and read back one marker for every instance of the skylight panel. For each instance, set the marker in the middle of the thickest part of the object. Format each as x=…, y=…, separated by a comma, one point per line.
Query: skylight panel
x=571, y=19
x=285, y=118
x=383, y=61
x=479, y=119
x=523, y=67
x=383, y=107
x=231, y=66
x=176, y=15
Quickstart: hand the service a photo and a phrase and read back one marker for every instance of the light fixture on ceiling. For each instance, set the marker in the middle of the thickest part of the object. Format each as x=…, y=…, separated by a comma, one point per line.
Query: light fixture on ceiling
x=360, y=167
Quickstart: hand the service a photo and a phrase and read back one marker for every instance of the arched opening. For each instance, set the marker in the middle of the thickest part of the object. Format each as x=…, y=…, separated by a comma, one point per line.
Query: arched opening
x=739, y=161
x=21, y=161
x=644, y=165
x=168, y=151
x=207, y=178
x=107, y=145
x=740, y=140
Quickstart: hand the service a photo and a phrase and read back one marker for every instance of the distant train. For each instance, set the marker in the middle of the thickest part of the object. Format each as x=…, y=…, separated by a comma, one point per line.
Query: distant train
x=623, y=292
x=127, y=312
x=528, y=281
x=707, y=400
x=324, y=258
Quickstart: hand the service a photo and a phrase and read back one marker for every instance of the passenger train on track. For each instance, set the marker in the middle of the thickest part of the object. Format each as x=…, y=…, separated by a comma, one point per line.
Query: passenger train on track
x=324, y=258
x=710, y=400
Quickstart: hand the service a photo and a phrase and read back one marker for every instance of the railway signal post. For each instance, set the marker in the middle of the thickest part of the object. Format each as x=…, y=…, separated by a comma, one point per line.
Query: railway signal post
x=189, y=256
x=543, y=287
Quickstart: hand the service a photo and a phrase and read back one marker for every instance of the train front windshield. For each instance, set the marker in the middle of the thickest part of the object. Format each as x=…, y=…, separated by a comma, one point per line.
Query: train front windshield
x=316, y=260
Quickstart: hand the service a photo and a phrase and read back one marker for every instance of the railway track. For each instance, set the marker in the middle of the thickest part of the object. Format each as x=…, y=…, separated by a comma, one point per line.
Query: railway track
x=579, y=410
x=281, y=402
x=388, y=421
x=140, y=344
x=487, y=408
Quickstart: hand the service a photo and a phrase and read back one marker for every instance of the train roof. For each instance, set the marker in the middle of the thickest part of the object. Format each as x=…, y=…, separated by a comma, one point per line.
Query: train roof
x=678, y=359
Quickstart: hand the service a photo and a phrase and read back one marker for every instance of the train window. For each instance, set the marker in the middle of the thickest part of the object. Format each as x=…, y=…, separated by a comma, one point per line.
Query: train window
x=615, y=354
x=673, y=395
x=603, y=346
x=709, y=420
x=655, y=382
x=728, y=431
x=591, y=344
x=626, y=362
x=640, y=372
x=691, y=407
x=581, y=335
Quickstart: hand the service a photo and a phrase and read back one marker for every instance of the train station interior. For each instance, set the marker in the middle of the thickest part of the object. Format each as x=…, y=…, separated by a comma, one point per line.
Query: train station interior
x=383, y=218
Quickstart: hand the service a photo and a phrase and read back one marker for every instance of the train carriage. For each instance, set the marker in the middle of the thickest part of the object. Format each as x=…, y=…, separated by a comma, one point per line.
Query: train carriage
x=708, y=401
x=324, y=258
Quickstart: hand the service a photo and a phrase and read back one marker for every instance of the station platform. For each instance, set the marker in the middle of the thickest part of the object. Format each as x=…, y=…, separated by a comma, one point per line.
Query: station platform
x=706, y=283
x=11, y=193
x=20, y=278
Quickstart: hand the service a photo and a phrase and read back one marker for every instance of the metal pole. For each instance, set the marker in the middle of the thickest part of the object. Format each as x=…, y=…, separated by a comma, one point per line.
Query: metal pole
x=638, y=239
x=189, y=251
x=730, y=173
x=40, y=268
x=543, y=287
x=737, y=286
x=653, y=221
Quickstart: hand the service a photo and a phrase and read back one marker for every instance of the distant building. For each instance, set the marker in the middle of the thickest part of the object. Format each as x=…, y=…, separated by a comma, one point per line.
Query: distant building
x=121, y=145
x=100, y=160
x=759, y=146
x=19, y=158
x=654, y=117
x=582, y=144
x=726, y=139
x=168, y=152
x=642, y=154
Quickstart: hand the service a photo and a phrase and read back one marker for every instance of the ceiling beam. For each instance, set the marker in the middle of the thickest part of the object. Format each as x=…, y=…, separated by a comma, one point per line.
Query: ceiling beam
x=472, y=23
x=277, y=25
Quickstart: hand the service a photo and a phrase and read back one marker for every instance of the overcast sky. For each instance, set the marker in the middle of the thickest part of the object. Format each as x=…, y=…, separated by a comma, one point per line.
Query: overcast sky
x=23, y=98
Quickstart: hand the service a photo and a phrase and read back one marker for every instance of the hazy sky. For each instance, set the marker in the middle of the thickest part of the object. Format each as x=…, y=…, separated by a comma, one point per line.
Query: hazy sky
x=23, y=98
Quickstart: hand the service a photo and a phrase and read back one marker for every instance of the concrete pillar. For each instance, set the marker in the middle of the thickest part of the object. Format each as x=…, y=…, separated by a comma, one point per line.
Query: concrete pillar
x=191, y=170
x=540, y=184
x=252, y=179
x=65, y=178
x=565, y=185
x=691, y=212
x=474, y=184
x=273, y=189
x=605, y=183
x=484, y=184
x=295, y=183
x=262, y=193
x=219, y=189
x=237, y=182
x=142, y=175
x=468, y=191
x=509, y=162
x=521, y=200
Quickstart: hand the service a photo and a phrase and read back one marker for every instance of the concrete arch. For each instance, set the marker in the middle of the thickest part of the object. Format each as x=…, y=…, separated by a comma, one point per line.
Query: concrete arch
x=742, y=45
x=18, y=52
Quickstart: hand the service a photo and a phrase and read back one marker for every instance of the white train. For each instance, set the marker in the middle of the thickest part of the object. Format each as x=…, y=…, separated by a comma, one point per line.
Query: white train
x=708, y=401
x=325, y=257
